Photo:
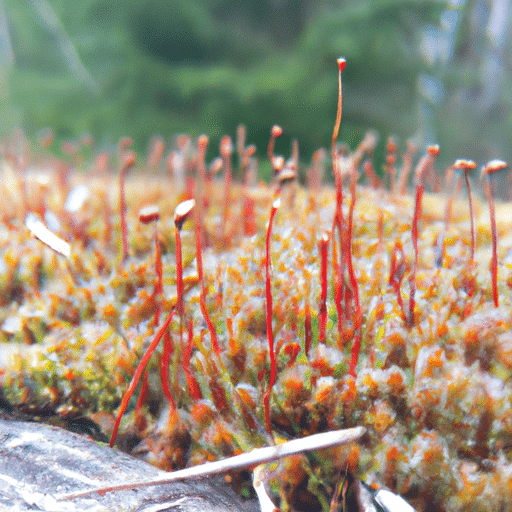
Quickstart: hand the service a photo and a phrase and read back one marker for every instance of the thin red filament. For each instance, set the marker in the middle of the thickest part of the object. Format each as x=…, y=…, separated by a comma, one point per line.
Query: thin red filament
x=322, y=313
x=268, y=312
x=494, y=238
x=471, y=216
x=414, y=235
x=137, y=375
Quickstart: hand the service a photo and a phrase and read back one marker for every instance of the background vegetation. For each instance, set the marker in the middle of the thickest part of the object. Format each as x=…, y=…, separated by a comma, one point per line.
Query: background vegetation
x=423, y=69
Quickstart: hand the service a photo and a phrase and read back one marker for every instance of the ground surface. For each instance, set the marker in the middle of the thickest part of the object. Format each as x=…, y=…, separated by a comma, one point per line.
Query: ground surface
x=435, y=396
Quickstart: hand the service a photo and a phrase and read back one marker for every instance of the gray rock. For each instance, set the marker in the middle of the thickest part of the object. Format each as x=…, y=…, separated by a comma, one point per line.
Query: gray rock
x=38, y=463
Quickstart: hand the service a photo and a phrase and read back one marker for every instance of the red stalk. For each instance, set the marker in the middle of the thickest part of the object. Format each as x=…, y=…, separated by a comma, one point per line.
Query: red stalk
x=164, y=368
x=390, y=167
x=195, y=391
x=424, y=165
x=226, y=149
x=440, y=242
x=181, y=213
x=276, y=131
x=322, y=313
x=341, y=66
x=414, y=235
x=396, y=274
x=492, y=167
x=143, y=392
x=465, y=166
x=202, y=295
x=128, y=161
x=307, y=328
x=494, y=237
x=406, y=167
x=202, y=144
x=147, y=215
x=338, y=220
x=338, y=291
x=138, y=372
x=268, y=312
x=358, y=316
x=179, y=277
x=471, y=215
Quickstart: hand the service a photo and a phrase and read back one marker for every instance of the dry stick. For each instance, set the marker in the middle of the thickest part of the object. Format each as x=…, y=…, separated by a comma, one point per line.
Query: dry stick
x=245, y=460
x=423, y=166
x=128, y=160
x=492, y=167
x=268, y=312
x=138, y=372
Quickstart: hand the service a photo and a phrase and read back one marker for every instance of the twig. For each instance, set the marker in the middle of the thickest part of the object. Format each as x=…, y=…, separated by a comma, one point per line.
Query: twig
x=245, y=460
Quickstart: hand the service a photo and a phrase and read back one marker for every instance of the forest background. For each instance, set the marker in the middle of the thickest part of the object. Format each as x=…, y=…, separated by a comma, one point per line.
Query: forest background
x=425, y=70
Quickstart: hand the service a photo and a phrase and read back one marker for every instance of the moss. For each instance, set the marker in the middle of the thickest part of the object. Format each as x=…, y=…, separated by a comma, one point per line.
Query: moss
x=434, y=396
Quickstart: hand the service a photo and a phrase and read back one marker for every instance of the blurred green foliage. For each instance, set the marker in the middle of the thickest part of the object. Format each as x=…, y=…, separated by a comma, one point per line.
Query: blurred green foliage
x=149, y=67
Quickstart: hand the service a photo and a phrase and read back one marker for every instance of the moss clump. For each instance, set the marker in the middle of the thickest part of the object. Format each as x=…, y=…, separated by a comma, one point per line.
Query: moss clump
x=434, y=395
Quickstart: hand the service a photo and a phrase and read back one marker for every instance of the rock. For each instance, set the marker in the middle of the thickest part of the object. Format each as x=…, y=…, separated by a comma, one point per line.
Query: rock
x=39, y=463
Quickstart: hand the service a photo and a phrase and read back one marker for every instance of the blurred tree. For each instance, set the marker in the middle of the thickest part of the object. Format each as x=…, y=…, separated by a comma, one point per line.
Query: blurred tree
x=472, y=115
x=170, y=66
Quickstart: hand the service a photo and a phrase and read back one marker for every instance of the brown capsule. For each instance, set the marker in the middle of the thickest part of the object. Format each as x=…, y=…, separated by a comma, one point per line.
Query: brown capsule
x=250, y=150
x=287, y=175
x=216, y=166
x=433, y=150
x=278, y=163
x=464, y=164
x=149, y=214
x=493, y=166
x=391, y=146
x=182, y=211
x=226, y=146
x=277, y=131
x=202, y=141
x=129, y=158
x=125, y=142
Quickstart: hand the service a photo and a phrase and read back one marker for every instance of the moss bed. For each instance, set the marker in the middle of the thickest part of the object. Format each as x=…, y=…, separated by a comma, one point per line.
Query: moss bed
x=434, y=394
